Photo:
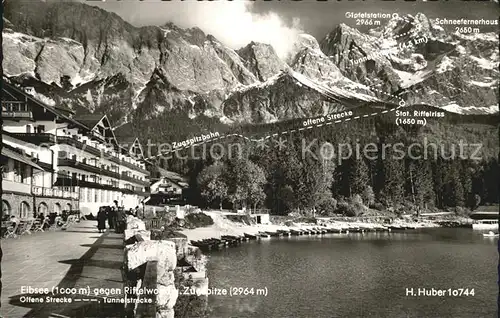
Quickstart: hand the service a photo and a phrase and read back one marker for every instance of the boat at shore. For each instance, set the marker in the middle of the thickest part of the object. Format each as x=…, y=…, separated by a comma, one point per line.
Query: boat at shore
x=490, y=234
x=264, y=235
x=483, y=225
x=250, y=236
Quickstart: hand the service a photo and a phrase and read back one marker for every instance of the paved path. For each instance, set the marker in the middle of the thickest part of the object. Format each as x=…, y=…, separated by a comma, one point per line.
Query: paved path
x=77, y=258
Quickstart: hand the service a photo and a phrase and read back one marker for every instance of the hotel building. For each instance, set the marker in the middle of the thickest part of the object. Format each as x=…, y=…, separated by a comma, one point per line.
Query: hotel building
x=54, y=161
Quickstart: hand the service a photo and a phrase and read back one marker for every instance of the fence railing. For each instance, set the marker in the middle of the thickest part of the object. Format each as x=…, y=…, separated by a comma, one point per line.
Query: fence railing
x=153, y=223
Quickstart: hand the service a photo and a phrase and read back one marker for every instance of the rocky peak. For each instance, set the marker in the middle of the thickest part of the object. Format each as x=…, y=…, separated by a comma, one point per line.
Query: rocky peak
x=302, y=41
x=357, y=56
x=261, y=60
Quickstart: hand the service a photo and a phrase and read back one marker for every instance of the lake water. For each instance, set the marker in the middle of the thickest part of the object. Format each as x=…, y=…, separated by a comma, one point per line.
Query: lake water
x=358, y=275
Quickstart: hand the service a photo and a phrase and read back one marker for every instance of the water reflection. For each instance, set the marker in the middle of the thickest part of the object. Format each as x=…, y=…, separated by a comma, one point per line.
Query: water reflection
x=358, y=275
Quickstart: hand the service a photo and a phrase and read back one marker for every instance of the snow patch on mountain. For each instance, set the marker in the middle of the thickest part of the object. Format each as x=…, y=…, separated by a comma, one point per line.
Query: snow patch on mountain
x=445, y=65
x=82, y=78
x=333, y=91
x=491, y=84
x=485, y=63
x=455, y=108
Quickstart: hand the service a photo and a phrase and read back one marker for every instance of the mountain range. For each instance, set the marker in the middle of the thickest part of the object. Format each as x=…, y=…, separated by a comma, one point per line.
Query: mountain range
x=90, y=60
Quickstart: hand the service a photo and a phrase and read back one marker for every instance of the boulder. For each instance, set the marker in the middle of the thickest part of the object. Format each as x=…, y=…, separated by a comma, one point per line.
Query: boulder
x=181, y=246
x=144, y=251
x=167, y=296
x=165, y=313
x=135, y=223
x=146, y=235
x=165, y=278
x=195, y=258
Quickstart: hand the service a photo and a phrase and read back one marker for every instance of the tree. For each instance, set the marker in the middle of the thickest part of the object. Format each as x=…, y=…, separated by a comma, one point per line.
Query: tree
x=394, y=180
x=421, y=184
x=212, y=182
x=245, y=182
x=453, y=187
x=368, y=196
x=358, y=176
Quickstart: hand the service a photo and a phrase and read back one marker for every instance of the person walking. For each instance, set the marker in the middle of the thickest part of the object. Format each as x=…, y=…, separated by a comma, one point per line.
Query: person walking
x=101, y=220
x=111, y=217
x=121, y=218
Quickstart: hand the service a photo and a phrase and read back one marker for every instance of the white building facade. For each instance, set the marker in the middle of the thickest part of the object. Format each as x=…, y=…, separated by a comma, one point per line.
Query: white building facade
x=78, y=154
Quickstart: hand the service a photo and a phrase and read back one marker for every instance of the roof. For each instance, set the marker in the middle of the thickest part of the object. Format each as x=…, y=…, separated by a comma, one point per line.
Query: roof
x=7, y=152
x=172, y=176
x=128, y=142
x=90, y=120
x=8, y=89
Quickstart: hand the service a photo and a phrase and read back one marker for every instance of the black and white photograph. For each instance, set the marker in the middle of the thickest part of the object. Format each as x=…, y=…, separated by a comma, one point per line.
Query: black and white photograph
x=250, y=159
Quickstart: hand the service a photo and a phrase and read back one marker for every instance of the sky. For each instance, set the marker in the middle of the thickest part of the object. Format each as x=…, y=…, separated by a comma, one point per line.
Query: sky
x=238, y=22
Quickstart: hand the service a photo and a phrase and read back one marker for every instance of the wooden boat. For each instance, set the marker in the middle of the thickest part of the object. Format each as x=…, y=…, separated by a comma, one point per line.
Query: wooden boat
x=264, y=235
x=274, y=234
x=231, y=240
x=284, y=232
x=250, y=236
x=203, y=246
x=490, y=234
x=295, y=232
x=397, y=228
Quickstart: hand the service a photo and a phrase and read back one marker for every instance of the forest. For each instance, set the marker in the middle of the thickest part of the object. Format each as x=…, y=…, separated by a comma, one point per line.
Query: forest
x=293, y=175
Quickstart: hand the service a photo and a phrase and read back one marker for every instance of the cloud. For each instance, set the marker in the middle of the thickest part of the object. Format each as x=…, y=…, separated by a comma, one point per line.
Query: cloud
x=236, y=25
x=231, y=22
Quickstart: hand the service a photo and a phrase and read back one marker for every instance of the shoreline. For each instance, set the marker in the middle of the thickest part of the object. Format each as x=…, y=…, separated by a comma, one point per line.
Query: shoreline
x=225, y=227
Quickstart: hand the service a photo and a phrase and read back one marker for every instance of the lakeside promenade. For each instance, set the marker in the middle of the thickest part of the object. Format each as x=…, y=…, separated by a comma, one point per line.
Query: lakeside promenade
x=78, y=257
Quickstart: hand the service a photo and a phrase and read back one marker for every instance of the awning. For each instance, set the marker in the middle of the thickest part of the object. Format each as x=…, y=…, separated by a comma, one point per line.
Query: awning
x=16, y=156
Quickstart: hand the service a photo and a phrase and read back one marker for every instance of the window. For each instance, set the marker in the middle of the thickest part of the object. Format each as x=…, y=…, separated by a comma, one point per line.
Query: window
x=97, y=195
x=82, y=194
x=43, y=208
x=24, y=210
x=89, y=195
x=103, y=195
x=6, y=208
x=40, y=129
x=28, y=129
x=108, y=199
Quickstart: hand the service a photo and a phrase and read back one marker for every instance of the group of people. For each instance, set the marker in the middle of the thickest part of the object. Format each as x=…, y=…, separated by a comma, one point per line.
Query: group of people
x=116, y=217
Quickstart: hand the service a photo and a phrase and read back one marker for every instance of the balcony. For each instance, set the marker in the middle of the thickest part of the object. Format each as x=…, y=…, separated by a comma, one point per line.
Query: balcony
x=72, y=141
x=18, y=187
x=68, y=181
x=87, y=167
x=134, y=167
x=16, y=110
x=53, y=193
x=79, y=145
x=134, y=180
x=36, y=138
x=78, y=165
